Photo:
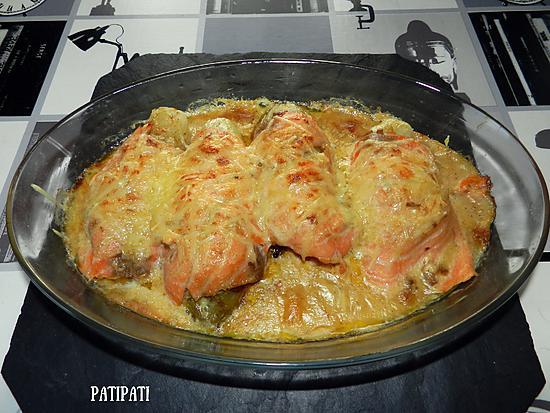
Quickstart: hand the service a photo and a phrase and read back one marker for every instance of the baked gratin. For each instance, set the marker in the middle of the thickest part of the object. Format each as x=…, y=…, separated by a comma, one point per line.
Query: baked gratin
x=278, y=221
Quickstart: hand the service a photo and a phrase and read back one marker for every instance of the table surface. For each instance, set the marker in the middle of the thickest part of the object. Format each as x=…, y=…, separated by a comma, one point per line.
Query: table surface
x=44, y=76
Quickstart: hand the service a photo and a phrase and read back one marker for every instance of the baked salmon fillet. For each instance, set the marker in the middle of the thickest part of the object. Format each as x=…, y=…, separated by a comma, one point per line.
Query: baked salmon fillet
x=298, y=204
x=405, y=218
x=120, y=203
x=215, y=242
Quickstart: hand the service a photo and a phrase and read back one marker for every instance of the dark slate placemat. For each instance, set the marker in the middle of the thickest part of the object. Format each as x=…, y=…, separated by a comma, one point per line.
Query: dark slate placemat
x=152, y=64
x=53, y=360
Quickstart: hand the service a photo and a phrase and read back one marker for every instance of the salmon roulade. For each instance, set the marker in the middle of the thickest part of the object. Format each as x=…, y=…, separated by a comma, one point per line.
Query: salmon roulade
x=214, y=242
x=114, y=228
x=405, y=219
x=299, y=205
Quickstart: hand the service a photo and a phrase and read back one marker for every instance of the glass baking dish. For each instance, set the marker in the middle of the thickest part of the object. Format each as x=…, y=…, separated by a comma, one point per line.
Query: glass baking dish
x=58, y=158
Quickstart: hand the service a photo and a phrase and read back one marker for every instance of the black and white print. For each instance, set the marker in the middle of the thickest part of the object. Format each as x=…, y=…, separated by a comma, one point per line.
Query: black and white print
x=245, y=34
x=95, y=47
x=438, y=41
x=517, y=47
x=138, y=7
x=52, y=8
x=501, y=3
x=360, y=5
x=542, y=138
x=431, y=49
x=500, y=115
x=11, y=135
x=26, y=51
x=533, y=130
x=265, y=6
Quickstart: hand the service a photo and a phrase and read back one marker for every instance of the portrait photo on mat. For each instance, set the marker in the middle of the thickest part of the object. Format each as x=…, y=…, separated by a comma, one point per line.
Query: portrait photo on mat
x=431, y=49
x=439, y=41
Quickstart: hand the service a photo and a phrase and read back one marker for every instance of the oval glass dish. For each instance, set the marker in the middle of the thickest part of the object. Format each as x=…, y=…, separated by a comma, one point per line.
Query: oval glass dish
x=58, y=158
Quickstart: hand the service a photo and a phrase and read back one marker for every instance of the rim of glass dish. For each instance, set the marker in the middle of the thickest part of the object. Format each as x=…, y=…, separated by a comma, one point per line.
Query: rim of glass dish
x=435, y=341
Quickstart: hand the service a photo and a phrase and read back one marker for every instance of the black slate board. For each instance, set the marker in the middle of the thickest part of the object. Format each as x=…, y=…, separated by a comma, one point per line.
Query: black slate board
x=153, y=64
x=53, y=360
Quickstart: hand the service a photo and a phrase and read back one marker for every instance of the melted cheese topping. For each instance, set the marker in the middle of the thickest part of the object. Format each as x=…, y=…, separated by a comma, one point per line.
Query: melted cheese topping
x=216, y=243
x=120, y=207
x=377, y=220
x=397, y=202
x=298, y=202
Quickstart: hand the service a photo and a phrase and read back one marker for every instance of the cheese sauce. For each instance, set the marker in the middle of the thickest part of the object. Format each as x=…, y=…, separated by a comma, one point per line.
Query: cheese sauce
x=277, y=221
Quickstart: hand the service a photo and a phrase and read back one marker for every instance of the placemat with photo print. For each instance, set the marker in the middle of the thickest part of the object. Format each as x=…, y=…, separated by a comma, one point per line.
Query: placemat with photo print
x=54, y=361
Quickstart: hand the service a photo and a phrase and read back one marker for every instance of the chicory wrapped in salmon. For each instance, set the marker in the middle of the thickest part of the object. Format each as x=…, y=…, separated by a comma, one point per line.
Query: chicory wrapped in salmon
x=404, y=213
x=215, y=242
x=278, y=221
x=298, y=200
